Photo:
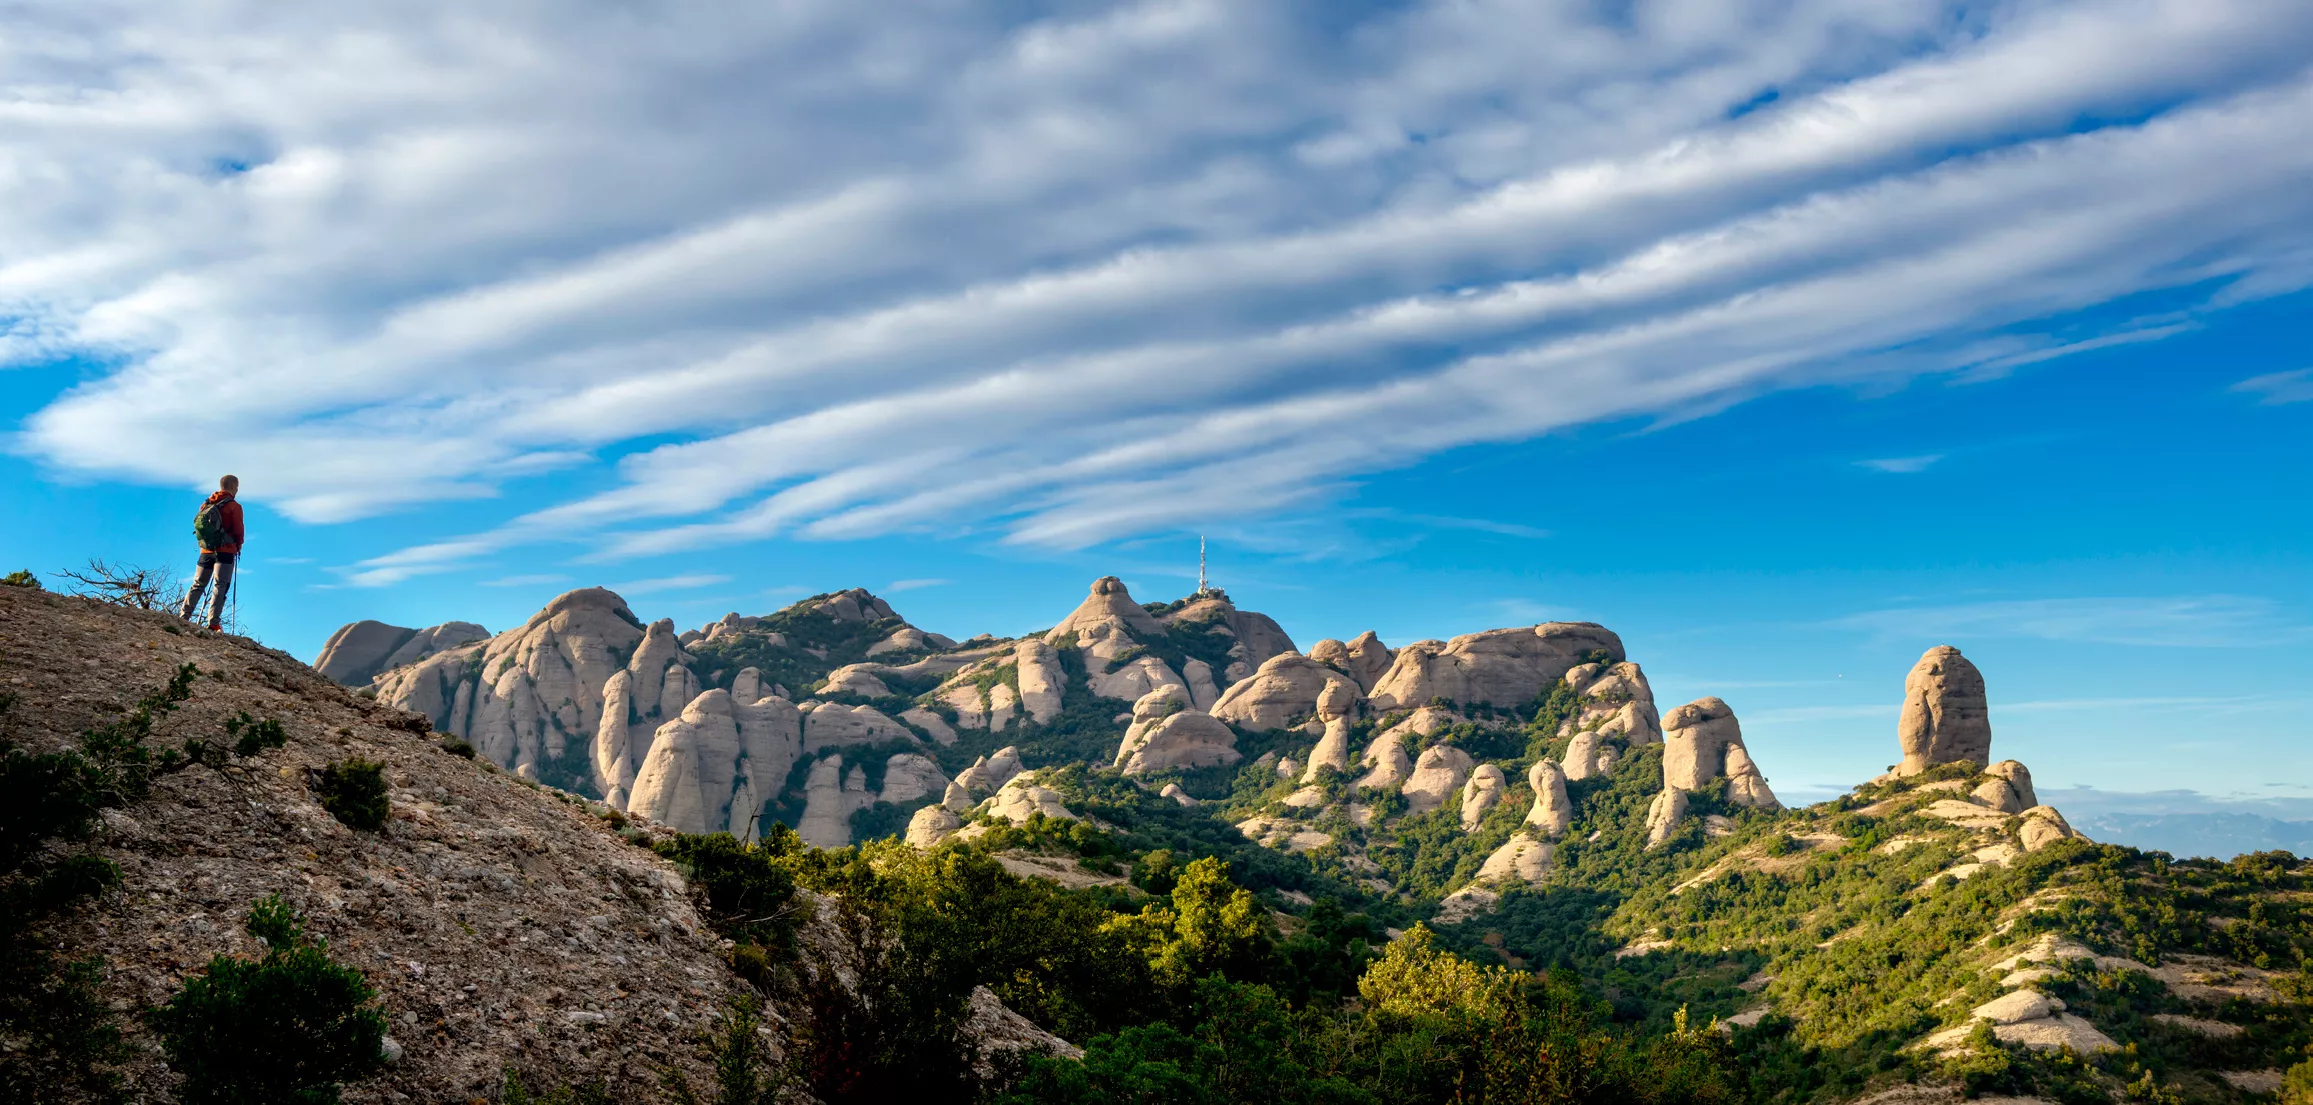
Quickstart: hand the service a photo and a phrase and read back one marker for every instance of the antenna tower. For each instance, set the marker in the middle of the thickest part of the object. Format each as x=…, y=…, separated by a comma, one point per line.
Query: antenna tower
x=1202, y=585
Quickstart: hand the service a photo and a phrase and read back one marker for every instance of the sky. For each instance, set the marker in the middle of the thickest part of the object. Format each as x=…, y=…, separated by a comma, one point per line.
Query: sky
x=1787, y=338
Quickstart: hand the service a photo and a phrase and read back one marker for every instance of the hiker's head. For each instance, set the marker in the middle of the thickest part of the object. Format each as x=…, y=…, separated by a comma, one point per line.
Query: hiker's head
x=229, y=484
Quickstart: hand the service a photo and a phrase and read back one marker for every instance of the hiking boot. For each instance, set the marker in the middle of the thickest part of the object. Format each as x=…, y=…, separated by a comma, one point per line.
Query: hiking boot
x=215, y=626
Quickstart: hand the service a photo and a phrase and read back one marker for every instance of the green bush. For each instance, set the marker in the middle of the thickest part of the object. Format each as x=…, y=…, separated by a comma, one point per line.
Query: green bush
x=21, y=579
x=457, y=746
x=287, y=1029
x=354, y=792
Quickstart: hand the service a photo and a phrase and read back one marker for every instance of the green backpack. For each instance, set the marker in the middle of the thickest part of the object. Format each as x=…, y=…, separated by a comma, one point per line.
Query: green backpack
x=209, y=527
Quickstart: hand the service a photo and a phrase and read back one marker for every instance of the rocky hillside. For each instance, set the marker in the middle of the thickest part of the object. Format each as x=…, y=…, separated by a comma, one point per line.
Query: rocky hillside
x=1518, y=789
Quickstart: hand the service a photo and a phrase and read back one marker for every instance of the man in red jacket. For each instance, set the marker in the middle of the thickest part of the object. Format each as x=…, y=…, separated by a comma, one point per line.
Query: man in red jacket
x=218, y=525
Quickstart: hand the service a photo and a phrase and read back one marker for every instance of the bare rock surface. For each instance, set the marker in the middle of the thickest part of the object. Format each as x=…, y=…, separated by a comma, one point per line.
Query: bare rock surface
x=1187, y=739
x=1499, y=666
x=485, y=913
x=1283, y=693
x=1945, y=716
x=1520, y=859
x=1481, y=794
x=356, y=653
x=1551, y=812
x=1437, y=774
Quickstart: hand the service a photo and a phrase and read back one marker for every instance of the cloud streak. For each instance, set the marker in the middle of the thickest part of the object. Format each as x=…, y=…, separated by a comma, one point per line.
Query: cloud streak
x=2187, y=621
x=1078, y=274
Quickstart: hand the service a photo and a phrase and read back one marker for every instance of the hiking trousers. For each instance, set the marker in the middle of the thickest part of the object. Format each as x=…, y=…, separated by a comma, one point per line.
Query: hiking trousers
x=219, y=565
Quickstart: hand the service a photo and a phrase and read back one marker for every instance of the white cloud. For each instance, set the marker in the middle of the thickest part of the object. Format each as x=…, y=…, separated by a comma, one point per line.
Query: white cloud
x=2277, y=388
x=1901, y=465
x=525, y=581
x=2185, y=621
x=898, y=585
x=1074, y=276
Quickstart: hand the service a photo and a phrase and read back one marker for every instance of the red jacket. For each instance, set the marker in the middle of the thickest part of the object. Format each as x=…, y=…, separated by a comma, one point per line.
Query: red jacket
x=229, y=516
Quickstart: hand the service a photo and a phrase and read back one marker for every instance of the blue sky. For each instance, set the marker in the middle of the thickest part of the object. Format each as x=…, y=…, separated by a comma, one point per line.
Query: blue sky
x=1787, y=338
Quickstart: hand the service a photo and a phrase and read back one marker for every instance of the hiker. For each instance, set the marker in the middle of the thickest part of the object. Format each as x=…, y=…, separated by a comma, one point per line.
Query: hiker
x=218, y=525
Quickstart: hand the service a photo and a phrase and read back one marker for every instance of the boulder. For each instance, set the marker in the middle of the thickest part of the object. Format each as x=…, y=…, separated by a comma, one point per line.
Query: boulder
x=1282, y=694
x=357, y=653
x=2044, y=826
x=833, y=725
x=931, y=825
x=1520, y=859
x=1174, y=792
x=2019, y=779
x=1552, y=812
x=1022, y=798
x=908, y=777
x=855, y=679
x=830, y=795
x=714, y=766
x=854, y=605
x=1439, y=772
x=1999, y=795
x=1499, y=666
x=1041, y=679
x=1481, y=794
x=1109, y=606
x=1134, y=678
x=1147, y=711
x=1330, y=652
x=1663, y=816
x=989, y=773
x=1615, y=701
x=1368, y=660
x=958, y=797
x=1388, y=763
x=906, y=638
x=1745, y=785
x=1945, y=716
x=1332, y=750
x=930, y=723
x=1187, y=739
x=1590, y=755
x=1203, y=692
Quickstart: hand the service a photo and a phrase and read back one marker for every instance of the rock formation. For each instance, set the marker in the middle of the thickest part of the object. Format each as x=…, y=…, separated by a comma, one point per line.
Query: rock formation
x=988, y=774
x=1174, y=736
x=908, y=777
x=1504, y=667
x=1551, y=813
x=833, y=725
x=1664, y=814
x=1203, y=692
x=830, y=796
x=1945, y=716
x=356, y=653
x=1702, y=741
x=1257, y=637
x=1022, y=798
x=1437, y=774
x=855, y=679
x=1481, y=794
x=1282, y=694
x=2009, y=789
x=1616, y=712
x=1041, y=679
x=1520, y=859
x=1174, y=792
x=2044, y=826
x=714, y=767
x=1387, y=763
x=1336, y=708
x=931, y=825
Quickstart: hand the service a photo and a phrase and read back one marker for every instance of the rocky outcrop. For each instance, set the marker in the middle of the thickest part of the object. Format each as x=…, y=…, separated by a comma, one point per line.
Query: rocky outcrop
x=1504, y=667
x=1520, y=859
x=934, y=725
x=908, y=777
x=1438, y=773
x=1282, y=694
x=854, y=605
x=1188, y=739
x=1386, y=762
x=1590, y=755
x=931, y=825
x=1258, y=637
x=1022, y=798
x=714, y=767
x=1702, y=741
x=1368, y=660
x=1945, y=716
x=2009, y=789
x=1133, y=678
x=1481, y=794
x=521, y=696
x=908, y=638
x=833, y=725
x=1336, y=707
x=356, y=653
x=831, y=795
x=855, y=679
x=988, y=774
x=1109, y=608
x=1203, y=692
x=1663, y=816
x=1551, y=813
x=2044, y=826
x=1179, y=796
x=1041, y=679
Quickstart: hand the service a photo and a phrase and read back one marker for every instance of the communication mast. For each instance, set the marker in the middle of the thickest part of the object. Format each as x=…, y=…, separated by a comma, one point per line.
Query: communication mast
x=1202, y=585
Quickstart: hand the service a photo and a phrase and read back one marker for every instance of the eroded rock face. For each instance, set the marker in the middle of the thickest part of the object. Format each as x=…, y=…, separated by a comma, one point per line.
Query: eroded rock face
x=1283, y=694
x=1441, y=771
x=1041, y=679
x=988, y=774
x=833, y=724
x=1257, y=636
x=855, y=679
x=830, y=796
x=1504, y=667
x=908, y=777
x=1134, y=678
x=714, y=767
x=1387, y=763
x=1590, y=755
x=1702, y=741
x=1108, y=607
x=1187, y=739
x=1203, y=692
x=1945, y=716
x=931, y=825
x=1521, y=859
x=2019, y=780
x=1663, y=816
x=930, y=723
x=854, y=605
x=1552, y=812
x=519, y=696
x=1023, y=797
x=1481, y=794
x=356, y=653
x=2044, y=826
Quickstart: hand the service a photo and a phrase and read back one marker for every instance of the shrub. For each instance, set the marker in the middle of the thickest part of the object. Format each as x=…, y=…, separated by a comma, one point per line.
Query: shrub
x=21, y=579
x=354, y=792
x=288, y=1029
x=457, y=746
